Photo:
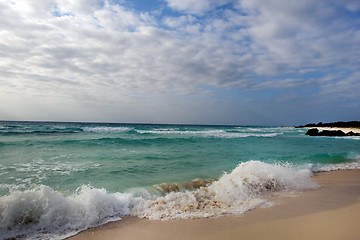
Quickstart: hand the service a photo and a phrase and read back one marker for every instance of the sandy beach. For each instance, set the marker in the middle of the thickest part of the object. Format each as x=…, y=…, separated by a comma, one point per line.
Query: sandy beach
x=328, y=212
x=345, y=130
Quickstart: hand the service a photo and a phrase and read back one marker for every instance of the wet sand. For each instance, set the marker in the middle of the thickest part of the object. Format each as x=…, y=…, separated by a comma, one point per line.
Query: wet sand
x=331, y=211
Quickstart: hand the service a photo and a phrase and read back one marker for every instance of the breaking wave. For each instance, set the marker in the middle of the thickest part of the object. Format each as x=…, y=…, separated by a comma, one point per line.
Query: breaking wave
x=45, y=213
x=245, y=188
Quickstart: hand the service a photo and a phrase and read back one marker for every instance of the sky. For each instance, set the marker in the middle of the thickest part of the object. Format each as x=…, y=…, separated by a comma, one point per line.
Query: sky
x=243, y=62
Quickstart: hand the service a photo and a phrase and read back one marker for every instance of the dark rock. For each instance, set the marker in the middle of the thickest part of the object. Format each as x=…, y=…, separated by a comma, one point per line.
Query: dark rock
x=329, y=133
x=312, y=132
x=352, y=134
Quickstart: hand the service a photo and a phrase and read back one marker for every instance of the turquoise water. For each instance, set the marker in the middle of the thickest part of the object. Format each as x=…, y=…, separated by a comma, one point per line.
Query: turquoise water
x=82, y=160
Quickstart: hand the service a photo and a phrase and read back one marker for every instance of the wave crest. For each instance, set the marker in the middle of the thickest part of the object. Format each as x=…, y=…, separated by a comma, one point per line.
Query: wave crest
x=245, y=188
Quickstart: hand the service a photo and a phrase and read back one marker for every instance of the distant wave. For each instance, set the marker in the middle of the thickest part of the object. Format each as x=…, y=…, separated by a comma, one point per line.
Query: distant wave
x=40, y=132
x=264, y=129
x=231, y=132
x=8, y=130
x=210, y=133
x=106, y=129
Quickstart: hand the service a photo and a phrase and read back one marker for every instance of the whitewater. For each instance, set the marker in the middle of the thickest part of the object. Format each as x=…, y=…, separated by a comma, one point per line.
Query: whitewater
x=57, y=179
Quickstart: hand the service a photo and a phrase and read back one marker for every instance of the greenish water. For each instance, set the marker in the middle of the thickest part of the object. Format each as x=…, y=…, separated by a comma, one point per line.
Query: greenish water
x=130, y=159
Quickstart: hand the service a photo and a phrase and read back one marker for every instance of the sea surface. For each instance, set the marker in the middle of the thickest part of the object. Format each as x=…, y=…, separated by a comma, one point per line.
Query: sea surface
x=57, y=179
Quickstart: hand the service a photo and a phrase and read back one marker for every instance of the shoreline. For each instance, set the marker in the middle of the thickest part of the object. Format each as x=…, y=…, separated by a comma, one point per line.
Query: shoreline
x=345, y=130
x=328, y=212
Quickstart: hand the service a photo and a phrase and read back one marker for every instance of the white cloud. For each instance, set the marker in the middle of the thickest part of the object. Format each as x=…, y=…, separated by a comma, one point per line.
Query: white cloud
x=308, y=30
x=94, y=51
x=198, y=7
x=351, y=5
x=178, y=22
x=78, y=7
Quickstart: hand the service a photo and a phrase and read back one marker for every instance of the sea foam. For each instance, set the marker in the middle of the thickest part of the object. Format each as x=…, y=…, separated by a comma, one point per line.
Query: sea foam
x=45, y=213
x=245, y=188
x=354, y=163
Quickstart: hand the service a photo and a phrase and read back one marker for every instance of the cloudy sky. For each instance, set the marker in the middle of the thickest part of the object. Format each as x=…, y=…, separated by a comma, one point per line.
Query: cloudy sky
x=248, y=62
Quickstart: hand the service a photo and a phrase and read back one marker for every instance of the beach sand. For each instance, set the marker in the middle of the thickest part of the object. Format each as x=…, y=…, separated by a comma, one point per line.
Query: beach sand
x=330, y=212
x=345, y=130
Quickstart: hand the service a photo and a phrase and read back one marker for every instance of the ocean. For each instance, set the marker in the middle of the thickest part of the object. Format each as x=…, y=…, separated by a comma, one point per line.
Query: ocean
x=57, y=179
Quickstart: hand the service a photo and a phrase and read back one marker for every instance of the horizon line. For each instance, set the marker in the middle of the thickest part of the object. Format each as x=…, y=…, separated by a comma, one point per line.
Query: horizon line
x=142, y=123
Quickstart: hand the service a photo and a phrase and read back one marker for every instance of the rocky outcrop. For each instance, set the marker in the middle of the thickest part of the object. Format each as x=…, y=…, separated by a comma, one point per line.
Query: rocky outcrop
x=352, y=134
x=312, y=132
x=330, y=133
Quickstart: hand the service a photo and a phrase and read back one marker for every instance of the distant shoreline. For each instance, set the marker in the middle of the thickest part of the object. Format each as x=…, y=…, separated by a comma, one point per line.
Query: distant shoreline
x=351, y=124
x=333, y=129
x=343, y=129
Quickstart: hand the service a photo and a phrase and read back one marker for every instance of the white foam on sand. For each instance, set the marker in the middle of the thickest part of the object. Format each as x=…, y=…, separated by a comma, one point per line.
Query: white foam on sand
x=345, y=130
